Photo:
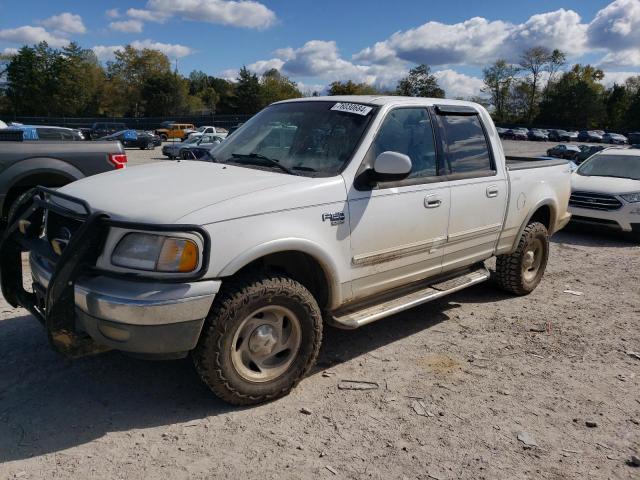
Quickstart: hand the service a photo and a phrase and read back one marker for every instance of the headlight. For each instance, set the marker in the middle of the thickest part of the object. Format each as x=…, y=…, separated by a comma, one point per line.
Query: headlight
x=159, y=253
x=631, y=197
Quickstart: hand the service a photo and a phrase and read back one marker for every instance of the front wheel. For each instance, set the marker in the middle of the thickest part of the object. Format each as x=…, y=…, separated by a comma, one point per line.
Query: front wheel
x=260, y=339
x=521, y=271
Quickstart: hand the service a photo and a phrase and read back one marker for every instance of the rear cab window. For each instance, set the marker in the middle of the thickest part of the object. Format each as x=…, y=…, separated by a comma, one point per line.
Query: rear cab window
x=467, y=150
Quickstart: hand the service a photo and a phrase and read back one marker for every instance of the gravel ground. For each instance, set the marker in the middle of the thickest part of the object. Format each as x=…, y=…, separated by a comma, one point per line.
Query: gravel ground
x=457, y=382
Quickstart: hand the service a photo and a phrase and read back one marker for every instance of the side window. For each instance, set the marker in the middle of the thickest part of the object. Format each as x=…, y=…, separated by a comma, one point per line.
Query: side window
x=408, y=131
x=466, y=144
x=67, y=135
x=48, y=134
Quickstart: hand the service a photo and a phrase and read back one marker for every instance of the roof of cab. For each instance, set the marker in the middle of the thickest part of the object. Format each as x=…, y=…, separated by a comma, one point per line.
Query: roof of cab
x=380, y=100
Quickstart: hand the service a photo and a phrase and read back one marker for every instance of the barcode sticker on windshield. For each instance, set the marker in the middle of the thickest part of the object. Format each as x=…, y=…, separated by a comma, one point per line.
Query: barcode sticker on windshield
x=352, y=108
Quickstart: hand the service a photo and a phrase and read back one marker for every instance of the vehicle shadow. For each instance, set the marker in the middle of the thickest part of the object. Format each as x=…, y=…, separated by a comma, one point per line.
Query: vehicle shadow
x=49, y=403
x=593, y=236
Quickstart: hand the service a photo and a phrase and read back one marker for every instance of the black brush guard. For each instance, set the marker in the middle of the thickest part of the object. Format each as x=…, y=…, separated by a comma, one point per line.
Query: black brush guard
x=55, y=307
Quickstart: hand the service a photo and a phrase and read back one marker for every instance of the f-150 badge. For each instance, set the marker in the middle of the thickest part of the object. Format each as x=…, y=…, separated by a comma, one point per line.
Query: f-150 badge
x=335, y=218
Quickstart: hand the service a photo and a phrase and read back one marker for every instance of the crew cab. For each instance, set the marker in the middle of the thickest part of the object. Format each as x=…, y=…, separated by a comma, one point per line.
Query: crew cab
x=343, y=210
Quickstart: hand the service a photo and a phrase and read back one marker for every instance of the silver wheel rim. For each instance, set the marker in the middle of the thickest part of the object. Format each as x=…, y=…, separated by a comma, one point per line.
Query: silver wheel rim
x=266, y=343
x=532, y=260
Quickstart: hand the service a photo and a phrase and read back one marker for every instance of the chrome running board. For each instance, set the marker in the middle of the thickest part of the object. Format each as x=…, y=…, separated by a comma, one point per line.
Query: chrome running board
x=355, y=317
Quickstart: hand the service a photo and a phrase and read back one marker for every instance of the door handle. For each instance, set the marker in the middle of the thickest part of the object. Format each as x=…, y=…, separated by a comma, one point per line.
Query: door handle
x=432, y=201
x=492, y=191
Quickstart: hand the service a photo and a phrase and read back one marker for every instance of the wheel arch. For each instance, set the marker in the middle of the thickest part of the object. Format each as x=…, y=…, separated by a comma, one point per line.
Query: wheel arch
x=300, y=259
x=544, y=212
x=33, y=172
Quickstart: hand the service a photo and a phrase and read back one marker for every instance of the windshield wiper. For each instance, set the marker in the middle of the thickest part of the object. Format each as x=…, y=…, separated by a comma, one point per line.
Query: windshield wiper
x=270, y=161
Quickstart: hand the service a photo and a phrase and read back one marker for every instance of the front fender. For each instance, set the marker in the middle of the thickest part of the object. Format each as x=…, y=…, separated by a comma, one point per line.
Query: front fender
x=291, y=244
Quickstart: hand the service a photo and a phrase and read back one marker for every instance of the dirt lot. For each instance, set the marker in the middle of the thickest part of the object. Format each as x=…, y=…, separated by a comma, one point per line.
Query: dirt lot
x=458, y=380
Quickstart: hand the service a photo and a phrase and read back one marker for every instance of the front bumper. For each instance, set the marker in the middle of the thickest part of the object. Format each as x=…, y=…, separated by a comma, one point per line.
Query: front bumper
x=624, y=219
x=136, y=316
x=87, y=310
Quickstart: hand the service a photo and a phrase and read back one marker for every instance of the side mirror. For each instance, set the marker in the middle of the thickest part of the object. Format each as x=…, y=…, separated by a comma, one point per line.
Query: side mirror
x=389, y=166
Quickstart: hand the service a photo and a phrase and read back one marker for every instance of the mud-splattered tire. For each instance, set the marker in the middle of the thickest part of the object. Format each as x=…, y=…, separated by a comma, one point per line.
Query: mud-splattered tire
x=243, y=325
x=521, y=271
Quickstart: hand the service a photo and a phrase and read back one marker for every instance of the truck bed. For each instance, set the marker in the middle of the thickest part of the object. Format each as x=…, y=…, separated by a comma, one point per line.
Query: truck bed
x=524, y=163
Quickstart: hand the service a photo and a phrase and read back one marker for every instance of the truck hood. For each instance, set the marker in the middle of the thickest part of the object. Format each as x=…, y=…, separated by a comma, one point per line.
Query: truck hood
x=168, y=192
x=609, y=185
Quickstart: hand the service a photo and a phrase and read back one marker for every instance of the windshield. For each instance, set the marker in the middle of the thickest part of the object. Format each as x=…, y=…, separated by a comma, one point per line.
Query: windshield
x=191, y=140
x=621, y=166
x=314, y=138
x=201, y=129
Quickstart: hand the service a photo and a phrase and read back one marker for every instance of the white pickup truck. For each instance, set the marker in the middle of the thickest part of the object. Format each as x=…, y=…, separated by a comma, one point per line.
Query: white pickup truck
x=338, y=209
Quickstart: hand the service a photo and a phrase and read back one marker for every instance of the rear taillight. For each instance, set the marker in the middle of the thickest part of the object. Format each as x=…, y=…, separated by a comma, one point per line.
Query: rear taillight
x=119, y=160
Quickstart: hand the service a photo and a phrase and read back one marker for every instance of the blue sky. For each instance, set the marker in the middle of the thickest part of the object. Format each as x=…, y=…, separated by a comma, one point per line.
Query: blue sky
x=317, y=42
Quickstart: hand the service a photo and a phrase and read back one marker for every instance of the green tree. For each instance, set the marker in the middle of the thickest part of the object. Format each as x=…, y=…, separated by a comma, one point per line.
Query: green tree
x=576, y=99
x=351, y=88
x=126, y=76
x=32, y=80
x=498, y=80
x=420, y=83
x=248, y=92
x=617, y=104
x=164, y=94
x=276, y=87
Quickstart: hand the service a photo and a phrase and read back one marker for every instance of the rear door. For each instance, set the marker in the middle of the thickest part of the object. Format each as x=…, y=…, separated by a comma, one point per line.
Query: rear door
x=398, y=229
x=478, y=187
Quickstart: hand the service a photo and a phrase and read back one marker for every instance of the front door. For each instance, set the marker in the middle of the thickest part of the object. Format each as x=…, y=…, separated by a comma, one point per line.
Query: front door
x=398, y=229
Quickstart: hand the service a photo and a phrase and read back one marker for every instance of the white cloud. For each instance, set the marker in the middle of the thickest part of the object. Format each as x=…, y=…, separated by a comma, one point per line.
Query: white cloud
x=248, y=14
x=10, y=51
x=170, y=50
x=127, y=26
x=457, y=84
x=112, y=13
x=478, y=41
x=65, y=23
x=30, y=35
x=106, y=52
x=623, y=58
x=262, y=66
x=147, y=15
x=616, y=26
x=617, y=77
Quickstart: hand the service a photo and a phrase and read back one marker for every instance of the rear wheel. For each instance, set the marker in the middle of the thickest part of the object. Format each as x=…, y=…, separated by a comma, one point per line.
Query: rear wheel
x=521, y=271
x=260, y=339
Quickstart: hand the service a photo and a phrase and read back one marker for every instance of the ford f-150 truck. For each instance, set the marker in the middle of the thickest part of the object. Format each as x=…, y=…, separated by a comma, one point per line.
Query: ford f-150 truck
x=343, y=210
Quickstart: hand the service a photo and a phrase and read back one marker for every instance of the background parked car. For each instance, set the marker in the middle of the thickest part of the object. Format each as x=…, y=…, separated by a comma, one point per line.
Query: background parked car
x=614, y=139
x=206, y=130
x=591, y=136
x=516, y=134
x=206, y=142
x=135, y=139
x=175, y=130
x=537, y=135
x=43, y=132
x=586, y=151
x=102, y=129
x=560, y=135
x=568, y=152
x=172, y=150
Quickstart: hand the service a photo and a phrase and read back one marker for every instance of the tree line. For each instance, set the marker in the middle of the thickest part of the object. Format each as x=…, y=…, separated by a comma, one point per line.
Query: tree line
x=539, y=89
x=71, y=81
